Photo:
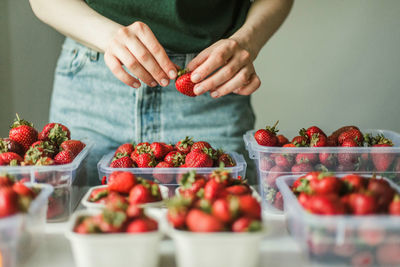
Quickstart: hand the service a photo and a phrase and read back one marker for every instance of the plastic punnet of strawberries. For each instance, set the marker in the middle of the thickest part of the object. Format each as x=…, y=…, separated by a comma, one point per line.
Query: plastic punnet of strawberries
x=185, y=153
x=123, y=188
x=15, y=197
x=325, y=194
x=26, y=146
x=214, y=203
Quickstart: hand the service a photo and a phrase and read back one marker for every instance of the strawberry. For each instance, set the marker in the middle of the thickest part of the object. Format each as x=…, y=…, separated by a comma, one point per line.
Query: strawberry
x=86, y=225
x=56, y=207
x=164, y=178
x=382, y=161
x=225, y=210
x=335, y=134
x=388, y=254
x=266, y=163
x=267, y=136
x=175, y=158
x=213, y=189
x=199, y=221
x=39, y=150
x=245, y=224
x=184, y=84
x=10, y=158
x=145, y=160
x=370, y=234
x=55, y=133
x=142, y=225
x=23, y=190
x=121, y=182
x=356, y=182
x=300, y=140
x=383, y=192
x=8, y=202
x=318, y=140
x=159, y=150
x=327, y=159
x=125, y=149
x=177, y=211
x=116, y=202
x=98, y=194
x=240, y=189
x=124, y=162
x=326, y=184
x=311, y=158
x=282, y=140
x=185, y=145
x=278, y=201
x=6, y=180
x=289, y=145
x=226, y=159
x=200, y=145
x=325, y=205
x=134, y=211
x=353, y=134
x=362, y=259
x=362, y=204
x=273, y=174
x=302, y=167
x=110, y=221
x=304, y=200
x=349, y=143
x=8, y=145
x=141, y=148
x=331, y=141
x=250, y=207
x=284, y=160
x=75, y=146
x=198, y=159
x=394, y=207
x=23, y=133
x=64, y=157
x=144, y=193
x=313, y=131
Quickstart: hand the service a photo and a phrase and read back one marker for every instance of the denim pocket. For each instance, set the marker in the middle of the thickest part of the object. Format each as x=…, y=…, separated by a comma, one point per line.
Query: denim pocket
x=71, y=60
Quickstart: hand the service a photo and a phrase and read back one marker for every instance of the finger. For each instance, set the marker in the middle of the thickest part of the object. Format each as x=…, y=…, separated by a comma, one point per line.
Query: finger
x=241, y=79
x=251, y=87
x=130, y=62
x=199, y=59
x=147, y=60
x=221, y=76
x=116, y=68
x=147, y=37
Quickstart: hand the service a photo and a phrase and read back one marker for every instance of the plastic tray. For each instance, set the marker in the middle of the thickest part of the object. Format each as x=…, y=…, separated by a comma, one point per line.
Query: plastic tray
x=119, y=250
x=342, y=240
x=69, y=182
x=92, y=205
x=20, y=233
x=169, y=176
x=264, y=158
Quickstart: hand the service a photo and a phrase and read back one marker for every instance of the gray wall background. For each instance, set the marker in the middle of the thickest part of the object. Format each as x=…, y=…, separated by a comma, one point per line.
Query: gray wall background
x=332, y=63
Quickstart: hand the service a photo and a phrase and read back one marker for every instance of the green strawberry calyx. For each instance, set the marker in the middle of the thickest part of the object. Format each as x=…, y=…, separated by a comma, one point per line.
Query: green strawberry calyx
x=19, y=122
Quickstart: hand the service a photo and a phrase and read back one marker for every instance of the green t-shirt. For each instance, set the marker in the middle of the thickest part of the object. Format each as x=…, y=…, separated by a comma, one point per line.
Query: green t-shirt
x=182, y=26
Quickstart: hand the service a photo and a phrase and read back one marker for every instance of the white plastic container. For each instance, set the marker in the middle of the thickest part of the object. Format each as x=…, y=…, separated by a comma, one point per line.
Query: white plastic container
x=169, y=176
x=92, y=205
x=69, y=182
x=342, y=240
x=20, y=233
x=216, y=249
x=116, y=250
x=264, y=156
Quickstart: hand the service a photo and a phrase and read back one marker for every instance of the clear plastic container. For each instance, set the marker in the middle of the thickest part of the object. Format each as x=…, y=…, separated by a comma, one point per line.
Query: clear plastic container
x=20, y=233
x=69, y=183
x=169, y=176
x=357, y=159
x=92, y=205
x=117, y=250
x=342, y=240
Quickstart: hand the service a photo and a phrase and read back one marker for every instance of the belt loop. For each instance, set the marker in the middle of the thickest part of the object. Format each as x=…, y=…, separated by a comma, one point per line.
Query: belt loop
x=93, y=55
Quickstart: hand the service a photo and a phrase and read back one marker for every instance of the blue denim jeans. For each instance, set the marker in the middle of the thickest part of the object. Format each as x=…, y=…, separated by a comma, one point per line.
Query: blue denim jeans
x=96, y=105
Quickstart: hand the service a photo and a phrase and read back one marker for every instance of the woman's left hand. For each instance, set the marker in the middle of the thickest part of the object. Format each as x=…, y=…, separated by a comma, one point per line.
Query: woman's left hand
x=231, y=67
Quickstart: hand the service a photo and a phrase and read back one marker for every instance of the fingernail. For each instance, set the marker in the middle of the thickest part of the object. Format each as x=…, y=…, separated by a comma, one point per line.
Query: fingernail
x=164, y=82
x=198, y=90
x=153, y=84
x=172, y=74
x=214, y=94
x=136, y=85
x=195, y=77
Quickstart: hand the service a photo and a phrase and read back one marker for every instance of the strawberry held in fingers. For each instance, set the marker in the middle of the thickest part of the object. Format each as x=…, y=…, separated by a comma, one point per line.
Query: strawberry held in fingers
x=23, y=133
x=267, y=136
x=184, y=84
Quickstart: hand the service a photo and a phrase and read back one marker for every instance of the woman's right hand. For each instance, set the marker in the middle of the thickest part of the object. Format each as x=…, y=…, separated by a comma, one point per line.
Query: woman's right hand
x=136, y=48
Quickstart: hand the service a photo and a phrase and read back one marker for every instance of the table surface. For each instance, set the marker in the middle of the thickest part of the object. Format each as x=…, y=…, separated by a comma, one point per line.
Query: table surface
x=277, y=249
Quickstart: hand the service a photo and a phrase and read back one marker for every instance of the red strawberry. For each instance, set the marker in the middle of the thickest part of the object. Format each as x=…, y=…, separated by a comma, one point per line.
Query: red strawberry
x=300, y=140
x=278, y=201
x=125, y=149
x=23, y=133
x=225, y=210
x=10, y=158
x=175, y=158
x=318, y=140
x=226, y=159
x=141, y=148
x=198, y=159
x=185, y=145
x=250, y=207
x=199, y=221
x=282, y=140
x=124, y=162
x=200, y=145
x=312, y=131
x=184, y=84
x=326, y=184
x=39, y=150
x=23, y=190
x=331, y=141
x=334, y=136
x=245, y=224
x=356, y=182
x=142, y=225
x=55, y=133
x=302, y=167
x=145, y=160
x=240, y=189
x=327, y=159
x=383, y=192
x=159, y=150
x=382, y=161
x=394, y=207
x=304, y=200
x=86, y=225
x=273, y=174
x=111, y=221
x=98, y=194
x=267, y=136
x=284, y=160
x=8, y=202
x=121, y=182
x=75, y=146
x=116, y=202
x=266, y=163
x=388, y=254
x=353, y=134
x=159, y=175
x=325, y=204
x=362, y=204
x=6, y=180
x=8, y=145
x=213, y=189
x=141, y=194
x=177, y=212
x=289, y=145
x=64, y=157
x=311, y=158
x=134, y=211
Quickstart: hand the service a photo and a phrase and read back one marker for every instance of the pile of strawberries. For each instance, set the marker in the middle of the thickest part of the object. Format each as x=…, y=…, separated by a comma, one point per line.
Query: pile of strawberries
x=14, y=196
x=116, y=218
x=325, y=194
x=213, y=204
x=25, y=146
x=185, y=153
x=123, y=188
